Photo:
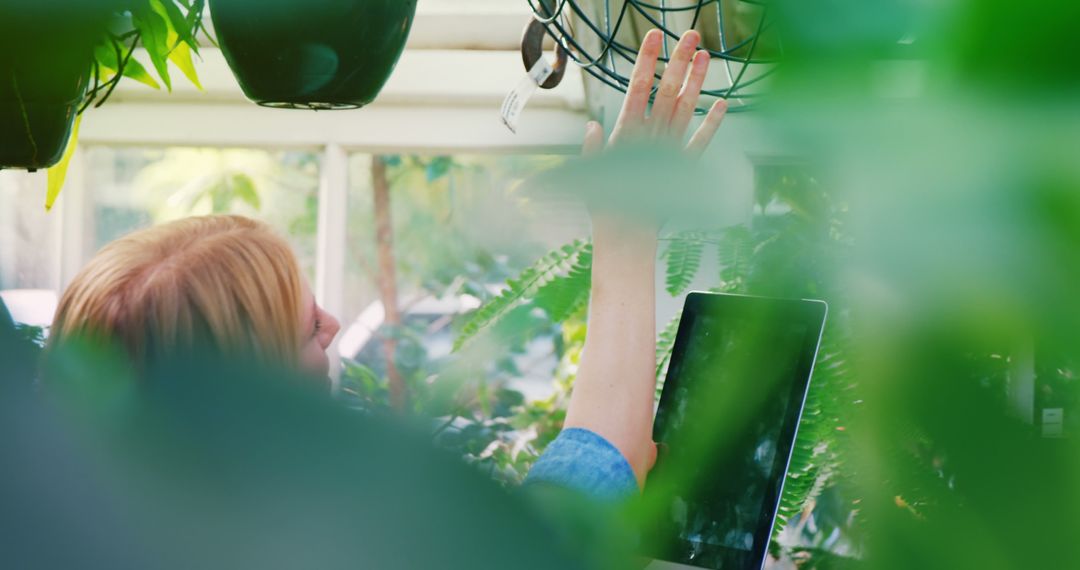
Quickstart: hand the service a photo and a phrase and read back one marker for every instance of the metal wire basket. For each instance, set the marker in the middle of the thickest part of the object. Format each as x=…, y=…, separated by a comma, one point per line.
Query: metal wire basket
x=603, y=37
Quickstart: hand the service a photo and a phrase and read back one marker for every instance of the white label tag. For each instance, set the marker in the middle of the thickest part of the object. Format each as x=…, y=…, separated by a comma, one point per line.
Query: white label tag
x=516, y=100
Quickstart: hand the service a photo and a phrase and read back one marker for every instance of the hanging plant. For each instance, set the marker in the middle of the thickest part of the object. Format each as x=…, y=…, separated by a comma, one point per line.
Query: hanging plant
x=317, y=54
x=59, y=57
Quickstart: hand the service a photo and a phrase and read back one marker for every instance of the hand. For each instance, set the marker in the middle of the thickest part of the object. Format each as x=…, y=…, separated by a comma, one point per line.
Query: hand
x=616, y=381
x=673, y=107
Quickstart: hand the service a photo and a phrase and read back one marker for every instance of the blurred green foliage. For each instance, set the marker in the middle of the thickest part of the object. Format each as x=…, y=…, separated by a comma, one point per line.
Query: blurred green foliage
x=940, y=217
x=219, y=464
x=789, y=249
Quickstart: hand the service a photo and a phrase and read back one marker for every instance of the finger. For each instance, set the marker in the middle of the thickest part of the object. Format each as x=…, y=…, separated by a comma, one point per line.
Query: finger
x=632, y=115
x=688, y=99
x=594, y=139
x=704, y=135
x=672, y=81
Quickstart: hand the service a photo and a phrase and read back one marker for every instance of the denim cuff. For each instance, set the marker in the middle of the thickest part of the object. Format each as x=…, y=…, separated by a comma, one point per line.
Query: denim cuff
x=581, y=460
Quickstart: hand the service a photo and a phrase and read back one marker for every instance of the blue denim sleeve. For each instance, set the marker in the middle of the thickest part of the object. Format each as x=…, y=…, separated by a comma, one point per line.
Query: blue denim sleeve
x=581, y=460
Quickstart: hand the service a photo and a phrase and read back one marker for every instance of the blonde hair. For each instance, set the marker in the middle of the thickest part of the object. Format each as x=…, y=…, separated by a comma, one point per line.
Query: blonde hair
x=226, y=283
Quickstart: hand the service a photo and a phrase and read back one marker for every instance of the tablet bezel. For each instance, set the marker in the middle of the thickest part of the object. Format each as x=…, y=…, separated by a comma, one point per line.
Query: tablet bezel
x=811, y=313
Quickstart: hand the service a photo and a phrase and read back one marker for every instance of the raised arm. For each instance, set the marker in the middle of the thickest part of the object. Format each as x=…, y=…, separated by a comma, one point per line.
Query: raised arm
x=615, y=387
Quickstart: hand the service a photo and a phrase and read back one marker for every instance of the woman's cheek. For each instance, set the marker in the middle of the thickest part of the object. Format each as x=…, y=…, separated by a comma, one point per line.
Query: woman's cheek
x=314, y=359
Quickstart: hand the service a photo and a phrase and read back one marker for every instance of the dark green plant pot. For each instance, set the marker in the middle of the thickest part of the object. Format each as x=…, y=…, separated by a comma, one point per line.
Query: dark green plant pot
x=315, y=54
x=37, y=139
x=46, y=54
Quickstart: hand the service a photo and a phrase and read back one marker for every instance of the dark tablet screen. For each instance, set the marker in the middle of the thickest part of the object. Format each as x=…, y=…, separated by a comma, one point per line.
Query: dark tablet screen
x=726, y=422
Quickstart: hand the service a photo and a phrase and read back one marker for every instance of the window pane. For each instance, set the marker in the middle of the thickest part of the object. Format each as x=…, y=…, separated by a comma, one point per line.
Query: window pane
x=28, y=234
x=461, y=225
x=29, y=248
x=132, y=188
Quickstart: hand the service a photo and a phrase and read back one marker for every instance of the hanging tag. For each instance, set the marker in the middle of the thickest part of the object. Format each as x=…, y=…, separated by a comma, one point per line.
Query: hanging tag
x=515, y=102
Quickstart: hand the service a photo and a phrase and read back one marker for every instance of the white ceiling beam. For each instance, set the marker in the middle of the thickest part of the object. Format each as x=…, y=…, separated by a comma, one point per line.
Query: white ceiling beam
x=386, y=129
x=439, y=77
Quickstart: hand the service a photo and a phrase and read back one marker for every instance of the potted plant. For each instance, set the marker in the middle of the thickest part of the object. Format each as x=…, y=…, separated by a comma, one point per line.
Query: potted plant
x=316, y=54
x=57, y=57
x=45, y=70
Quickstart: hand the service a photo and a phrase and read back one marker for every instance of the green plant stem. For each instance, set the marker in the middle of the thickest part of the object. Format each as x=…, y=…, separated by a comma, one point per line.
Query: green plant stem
x=119, y=72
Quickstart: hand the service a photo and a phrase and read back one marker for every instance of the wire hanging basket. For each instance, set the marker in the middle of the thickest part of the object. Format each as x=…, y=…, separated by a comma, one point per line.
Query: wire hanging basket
x=603, y=36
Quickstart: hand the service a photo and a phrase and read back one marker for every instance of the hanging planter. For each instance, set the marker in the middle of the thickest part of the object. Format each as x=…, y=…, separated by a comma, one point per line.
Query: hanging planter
x=58, y=57
x=316, y=54
x=603, y=37
x=45, y=69
x=37, y=115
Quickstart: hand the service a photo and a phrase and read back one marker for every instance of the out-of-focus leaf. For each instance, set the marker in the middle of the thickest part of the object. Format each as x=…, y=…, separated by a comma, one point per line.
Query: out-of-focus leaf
x=438, y=167
x=243, y=187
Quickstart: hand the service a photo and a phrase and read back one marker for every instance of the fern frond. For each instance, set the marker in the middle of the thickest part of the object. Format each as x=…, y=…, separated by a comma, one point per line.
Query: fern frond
x=567, y=295
x=733, y=254
x=816, y=455
x=683, y=257
x=520, y=290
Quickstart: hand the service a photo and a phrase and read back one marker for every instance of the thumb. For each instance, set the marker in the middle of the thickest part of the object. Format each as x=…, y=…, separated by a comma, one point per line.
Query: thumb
x=654, y=450
x=594, y=139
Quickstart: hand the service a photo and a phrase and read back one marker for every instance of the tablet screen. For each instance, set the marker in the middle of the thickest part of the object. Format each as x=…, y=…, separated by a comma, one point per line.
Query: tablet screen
x=726, y=423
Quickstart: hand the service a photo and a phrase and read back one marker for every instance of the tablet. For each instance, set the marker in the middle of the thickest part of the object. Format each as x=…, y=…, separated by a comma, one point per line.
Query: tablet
x=725, y=425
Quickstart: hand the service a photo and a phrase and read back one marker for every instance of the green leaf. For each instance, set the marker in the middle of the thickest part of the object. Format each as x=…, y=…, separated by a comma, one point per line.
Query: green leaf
x=57, y=174
x=105, y=55
x=154, y=32
x=179, y=24
x=220, y=194
x=683, y=260
x=136, y=71
x=179, y=40
x=566, y=296
x=817, y=452
x=734, y=252
x=181, y=57
x=243, y=187
x=520, y=290
x=438, y=167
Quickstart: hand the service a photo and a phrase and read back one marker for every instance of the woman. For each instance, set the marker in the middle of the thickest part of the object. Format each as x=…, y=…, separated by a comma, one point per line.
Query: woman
x=606, y=448
x=225, y=283
x=228, y=283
